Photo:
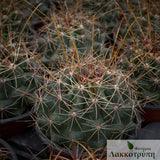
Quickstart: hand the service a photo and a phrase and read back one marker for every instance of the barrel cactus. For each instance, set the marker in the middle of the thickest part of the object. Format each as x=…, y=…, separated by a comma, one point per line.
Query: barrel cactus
x=79, y=24
x=142, y=53
x=146, y=78
x=86, y=101
x=19, y=79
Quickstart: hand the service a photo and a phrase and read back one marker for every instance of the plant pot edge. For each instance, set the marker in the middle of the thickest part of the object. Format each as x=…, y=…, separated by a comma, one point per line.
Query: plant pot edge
x=16, y=125
x=9, y=148
x=56, y=149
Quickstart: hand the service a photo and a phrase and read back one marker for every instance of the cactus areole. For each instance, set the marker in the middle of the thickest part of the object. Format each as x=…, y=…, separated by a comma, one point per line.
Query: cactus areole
x=86, y=102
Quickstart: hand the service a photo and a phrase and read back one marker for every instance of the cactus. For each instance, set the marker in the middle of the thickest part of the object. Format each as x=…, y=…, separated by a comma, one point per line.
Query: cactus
x=142, y=54
x=11, y=18
x=86, y=97
x=76, y=23
x=20, y=74
x=149, y=83
x=82, y=36
x=146, y=78
x=18, y=80
x=86, y=102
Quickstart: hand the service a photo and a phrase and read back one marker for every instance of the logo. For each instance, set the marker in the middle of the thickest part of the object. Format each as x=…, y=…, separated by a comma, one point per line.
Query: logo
x=130, y=145
x=133, y=149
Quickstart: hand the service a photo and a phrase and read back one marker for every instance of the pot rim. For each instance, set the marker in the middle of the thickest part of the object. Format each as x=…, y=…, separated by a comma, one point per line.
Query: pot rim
x=57, y=148
x=9, y=148
x=150, y=107
x=16, y=118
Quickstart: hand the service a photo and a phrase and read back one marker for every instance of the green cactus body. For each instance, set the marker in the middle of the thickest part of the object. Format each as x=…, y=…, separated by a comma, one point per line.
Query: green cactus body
x=77, y=24
x=146, y=77
x=86, y=103
x=18, y=81
x=148, y=74
x=142, y=55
